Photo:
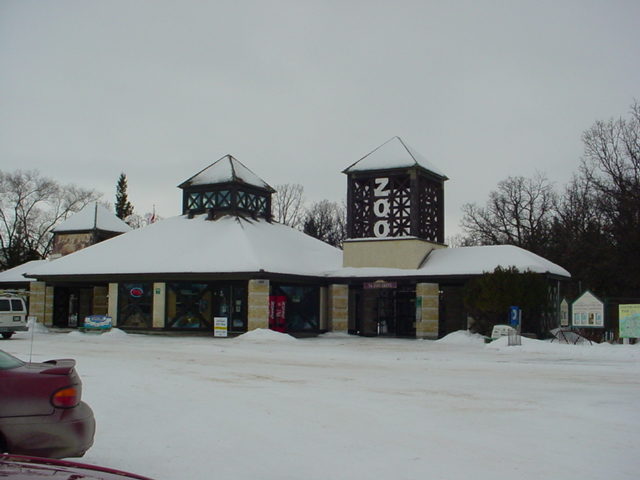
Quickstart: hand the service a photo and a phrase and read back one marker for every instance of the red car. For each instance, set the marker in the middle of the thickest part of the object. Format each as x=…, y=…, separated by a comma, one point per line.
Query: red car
x=41, y=412
x=31, y=468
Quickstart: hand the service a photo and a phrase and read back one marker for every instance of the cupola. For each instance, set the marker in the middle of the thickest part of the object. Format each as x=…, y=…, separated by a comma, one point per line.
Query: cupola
x=226, y=187
x=394, y=192
x=395, y=208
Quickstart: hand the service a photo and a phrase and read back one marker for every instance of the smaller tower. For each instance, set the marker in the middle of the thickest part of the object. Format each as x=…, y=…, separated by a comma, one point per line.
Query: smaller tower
x=226, y=187
x=91, y=225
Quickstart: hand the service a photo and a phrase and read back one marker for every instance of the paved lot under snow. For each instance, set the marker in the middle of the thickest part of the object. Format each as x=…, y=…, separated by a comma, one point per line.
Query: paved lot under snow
x=267, y=406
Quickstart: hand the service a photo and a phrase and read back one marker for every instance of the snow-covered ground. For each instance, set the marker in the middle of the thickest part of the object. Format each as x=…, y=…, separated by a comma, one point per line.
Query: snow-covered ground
x=267, y=406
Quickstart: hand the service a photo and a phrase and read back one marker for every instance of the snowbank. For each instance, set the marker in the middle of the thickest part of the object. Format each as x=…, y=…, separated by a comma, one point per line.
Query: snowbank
x=462, y=337
x=265, y=335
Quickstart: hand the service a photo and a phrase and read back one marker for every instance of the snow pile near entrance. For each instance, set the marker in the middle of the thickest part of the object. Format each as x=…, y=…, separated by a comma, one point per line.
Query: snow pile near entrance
x=462, y=337
x=36, y=327
x=265, y=335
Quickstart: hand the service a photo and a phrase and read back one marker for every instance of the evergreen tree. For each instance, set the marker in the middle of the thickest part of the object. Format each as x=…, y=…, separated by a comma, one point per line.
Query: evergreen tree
x=488, y=298
x=124, y=208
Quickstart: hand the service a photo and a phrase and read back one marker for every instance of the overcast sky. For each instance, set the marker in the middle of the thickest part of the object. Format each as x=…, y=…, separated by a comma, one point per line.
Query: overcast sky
x=299, y=90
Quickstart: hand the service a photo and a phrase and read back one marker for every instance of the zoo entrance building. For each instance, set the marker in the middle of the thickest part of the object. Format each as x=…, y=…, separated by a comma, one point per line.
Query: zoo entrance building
x=225, y=258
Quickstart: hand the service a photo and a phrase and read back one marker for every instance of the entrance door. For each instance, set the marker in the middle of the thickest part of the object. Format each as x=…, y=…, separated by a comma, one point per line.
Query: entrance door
x=386, y=311
x=71, y=306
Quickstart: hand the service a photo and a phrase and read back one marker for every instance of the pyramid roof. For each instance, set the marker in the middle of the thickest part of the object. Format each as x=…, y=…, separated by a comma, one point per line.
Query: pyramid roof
x=92, y=217
x=393, y=154
x=225, y=170
x=230, y=244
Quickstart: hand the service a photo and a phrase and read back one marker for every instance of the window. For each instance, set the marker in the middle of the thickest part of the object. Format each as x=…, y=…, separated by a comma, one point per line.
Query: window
x=196, y=305
x=134, y=305
x=301, y=307
x=189, y=306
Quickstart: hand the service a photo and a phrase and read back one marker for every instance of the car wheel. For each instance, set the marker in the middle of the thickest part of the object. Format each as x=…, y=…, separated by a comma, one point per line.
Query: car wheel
x=7, y=335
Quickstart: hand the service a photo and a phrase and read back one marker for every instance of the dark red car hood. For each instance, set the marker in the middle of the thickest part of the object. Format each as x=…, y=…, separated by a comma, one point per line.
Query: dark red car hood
x=18, y=467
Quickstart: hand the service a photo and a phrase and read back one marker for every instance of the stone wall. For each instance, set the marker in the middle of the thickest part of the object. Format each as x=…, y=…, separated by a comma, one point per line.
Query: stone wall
x=100, y=300
x=159, y=305
x=258, y=313
x=338, y=308
x=427, y=321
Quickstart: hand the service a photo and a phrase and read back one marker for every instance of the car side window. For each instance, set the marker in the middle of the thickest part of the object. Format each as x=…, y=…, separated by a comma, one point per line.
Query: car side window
x=5, y=306
x=16, y=305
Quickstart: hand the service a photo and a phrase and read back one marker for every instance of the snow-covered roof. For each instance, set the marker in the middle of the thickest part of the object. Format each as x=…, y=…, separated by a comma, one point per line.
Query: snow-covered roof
x=464, y=261
x=179, y=245
x=15, y=274
x=478, y=260
x=391, y=155
x=225, y=170
x=93, y=216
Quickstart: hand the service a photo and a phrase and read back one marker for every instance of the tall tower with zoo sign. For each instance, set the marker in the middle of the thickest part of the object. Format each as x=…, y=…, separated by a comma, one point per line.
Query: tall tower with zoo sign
x=394, y=197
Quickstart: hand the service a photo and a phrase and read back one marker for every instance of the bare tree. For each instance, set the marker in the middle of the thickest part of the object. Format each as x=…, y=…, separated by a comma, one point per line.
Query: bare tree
x=138, y=221
x=519, y=213
x=288, y=204
x=326, y=221
x=611, y=170
x=30, y=206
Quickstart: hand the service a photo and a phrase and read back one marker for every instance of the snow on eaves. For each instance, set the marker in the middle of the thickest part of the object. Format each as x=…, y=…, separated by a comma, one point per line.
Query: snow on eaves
x=92, y=216
x=15, y=274
x=463, y=261
x=478, y=260
x=179, y=245
x=393, y=154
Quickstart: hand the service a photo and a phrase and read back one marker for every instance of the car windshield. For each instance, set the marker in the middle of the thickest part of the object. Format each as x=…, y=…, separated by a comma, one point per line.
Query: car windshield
x=9, y=361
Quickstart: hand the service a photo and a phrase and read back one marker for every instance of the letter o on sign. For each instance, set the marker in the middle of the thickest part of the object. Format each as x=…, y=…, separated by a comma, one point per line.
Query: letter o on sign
x=381, y=207
x=381, y=229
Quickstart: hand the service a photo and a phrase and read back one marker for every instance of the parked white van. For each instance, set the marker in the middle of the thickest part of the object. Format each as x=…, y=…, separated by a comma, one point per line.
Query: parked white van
x=13, y=314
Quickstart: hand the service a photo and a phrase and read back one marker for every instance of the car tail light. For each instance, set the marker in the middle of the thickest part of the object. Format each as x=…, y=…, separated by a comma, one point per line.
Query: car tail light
x=67, y=397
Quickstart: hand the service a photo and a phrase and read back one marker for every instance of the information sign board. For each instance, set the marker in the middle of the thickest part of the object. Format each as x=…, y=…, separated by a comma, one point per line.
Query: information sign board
x=220, y=326
x=588, y=311
x=629, y=323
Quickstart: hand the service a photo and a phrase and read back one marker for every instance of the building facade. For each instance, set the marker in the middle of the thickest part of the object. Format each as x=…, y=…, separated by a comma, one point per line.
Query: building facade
x=226, y=259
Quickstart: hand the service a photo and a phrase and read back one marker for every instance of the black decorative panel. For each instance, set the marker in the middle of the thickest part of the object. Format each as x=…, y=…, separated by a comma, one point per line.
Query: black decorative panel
x=380, y=207
x=431, y=210
x=404, y=203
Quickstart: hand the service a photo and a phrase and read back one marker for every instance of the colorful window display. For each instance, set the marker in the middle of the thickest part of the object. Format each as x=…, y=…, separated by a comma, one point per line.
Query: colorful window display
x=196, y=305
x=135, y=305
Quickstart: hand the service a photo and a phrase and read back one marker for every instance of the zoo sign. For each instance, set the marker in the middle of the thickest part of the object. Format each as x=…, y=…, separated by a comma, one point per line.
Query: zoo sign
x=381, y=207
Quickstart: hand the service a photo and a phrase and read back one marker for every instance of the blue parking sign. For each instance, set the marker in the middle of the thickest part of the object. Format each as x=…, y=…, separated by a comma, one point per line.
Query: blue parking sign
x=514, y=316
